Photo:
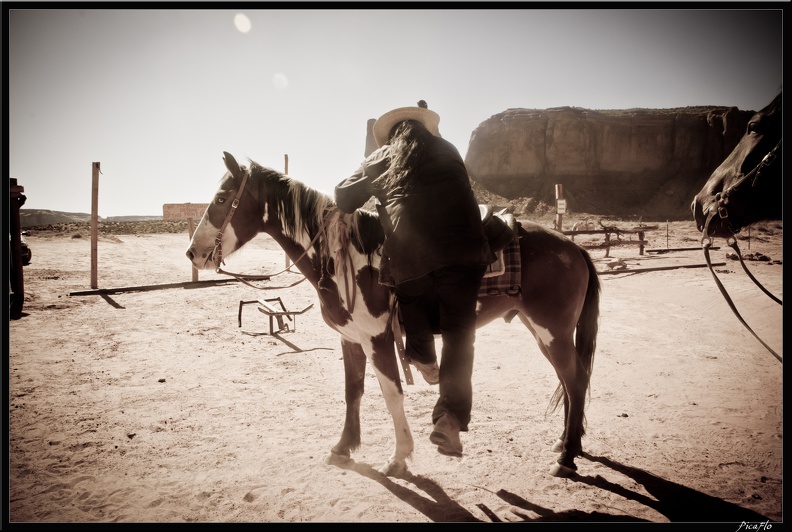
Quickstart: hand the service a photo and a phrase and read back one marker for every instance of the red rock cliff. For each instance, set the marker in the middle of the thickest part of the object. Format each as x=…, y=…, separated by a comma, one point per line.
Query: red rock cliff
x=635, y=162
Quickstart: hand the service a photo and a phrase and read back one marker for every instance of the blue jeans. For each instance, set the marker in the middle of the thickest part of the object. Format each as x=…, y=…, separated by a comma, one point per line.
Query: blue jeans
x=444, y=302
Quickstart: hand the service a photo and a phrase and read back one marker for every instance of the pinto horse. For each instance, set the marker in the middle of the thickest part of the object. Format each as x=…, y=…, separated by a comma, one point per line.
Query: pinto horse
x=746, y=187
x=339, y=254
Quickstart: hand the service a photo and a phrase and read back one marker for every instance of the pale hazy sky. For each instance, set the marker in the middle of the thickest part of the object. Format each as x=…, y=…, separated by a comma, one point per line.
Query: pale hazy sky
x=156, y=96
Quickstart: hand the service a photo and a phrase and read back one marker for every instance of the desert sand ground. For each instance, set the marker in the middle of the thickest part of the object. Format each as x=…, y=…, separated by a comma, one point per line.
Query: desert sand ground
x=156, y=406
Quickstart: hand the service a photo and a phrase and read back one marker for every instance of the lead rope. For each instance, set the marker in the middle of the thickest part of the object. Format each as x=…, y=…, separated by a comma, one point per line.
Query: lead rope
x=242, y=278
x=706, y=242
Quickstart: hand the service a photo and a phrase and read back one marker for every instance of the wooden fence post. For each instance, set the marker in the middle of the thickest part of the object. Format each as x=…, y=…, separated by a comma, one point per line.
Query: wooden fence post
x=94, y=223
x=286, y=171
x=191, y=231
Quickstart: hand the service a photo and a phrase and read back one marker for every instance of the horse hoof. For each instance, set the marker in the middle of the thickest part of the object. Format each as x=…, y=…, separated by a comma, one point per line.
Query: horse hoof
x=393, y=469
x=338, y=460
x=561, y=471
x=558, y=446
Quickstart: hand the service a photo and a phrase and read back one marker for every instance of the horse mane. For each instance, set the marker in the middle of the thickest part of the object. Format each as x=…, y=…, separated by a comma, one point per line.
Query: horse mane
x=298, y=206
x=301, y=208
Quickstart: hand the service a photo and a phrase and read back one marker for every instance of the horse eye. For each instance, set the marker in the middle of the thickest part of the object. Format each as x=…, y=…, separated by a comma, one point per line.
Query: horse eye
x=220, y=200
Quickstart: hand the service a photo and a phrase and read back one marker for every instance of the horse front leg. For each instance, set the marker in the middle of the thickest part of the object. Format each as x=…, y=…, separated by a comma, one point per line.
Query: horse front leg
x=386, y=367
x=354, y=373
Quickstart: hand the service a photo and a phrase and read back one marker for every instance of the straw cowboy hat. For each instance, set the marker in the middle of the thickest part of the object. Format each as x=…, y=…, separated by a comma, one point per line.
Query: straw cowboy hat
x=421, y=113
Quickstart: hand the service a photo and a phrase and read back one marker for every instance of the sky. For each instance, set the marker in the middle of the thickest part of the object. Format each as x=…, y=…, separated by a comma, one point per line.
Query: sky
x=157, y=96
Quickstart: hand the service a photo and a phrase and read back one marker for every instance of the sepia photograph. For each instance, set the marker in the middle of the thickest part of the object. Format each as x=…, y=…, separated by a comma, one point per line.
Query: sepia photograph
x=347, y=263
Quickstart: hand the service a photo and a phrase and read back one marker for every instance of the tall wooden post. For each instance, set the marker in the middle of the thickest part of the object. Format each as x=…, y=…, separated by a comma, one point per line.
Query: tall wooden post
x=286, y=171
x=17, y=280
x=560, y=206
x=94, y=223
x=191, y=231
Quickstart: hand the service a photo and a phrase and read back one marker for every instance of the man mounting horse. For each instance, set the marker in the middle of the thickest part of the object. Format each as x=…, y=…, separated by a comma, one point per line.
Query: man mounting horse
x=436, y=251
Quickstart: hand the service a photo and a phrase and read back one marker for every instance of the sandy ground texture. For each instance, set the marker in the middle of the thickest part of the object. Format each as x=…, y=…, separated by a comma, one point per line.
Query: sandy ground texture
x=155, y=405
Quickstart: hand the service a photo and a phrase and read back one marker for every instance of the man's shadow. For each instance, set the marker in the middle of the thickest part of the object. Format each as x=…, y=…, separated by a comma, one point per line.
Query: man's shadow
x=676, y=502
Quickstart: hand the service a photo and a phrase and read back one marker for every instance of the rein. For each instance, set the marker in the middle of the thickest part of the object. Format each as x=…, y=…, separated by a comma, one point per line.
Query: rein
x=706, y=242
x=242, y=278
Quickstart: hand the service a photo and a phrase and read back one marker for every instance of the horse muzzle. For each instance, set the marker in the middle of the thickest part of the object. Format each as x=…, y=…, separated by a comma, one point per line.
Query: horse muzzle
x=701, y=211
x=710, y=218
x=202, y=260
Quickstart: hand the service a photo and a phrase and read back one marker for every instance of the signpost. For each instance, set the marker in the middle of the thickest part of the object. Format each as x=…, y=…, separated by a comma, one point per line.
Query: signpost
x=560, y=206
x=190, y=211
x=178, y=211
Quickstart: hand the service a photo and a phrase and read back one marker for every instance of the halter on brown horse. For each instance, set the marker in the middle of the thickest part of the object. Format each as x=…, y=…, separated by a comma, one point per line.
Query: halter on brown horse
x=745, y=188
x=339, y=255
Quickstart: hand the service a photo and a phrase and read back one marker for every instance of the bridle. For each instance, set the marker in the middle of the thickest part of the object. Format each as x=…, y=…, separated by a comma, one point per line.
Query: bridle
x=217, y=253
x=722, y=200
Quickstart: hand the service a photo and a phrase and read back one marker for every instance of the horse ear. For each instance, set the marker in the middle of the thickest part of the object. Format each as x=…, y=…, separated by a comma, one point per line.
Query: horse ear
x=231, y=164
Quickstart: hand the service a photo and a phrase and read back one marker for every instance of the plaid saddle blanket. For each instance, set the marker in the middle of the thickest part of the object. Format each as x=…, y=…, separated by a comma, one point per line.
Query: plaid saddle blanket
x=503, y=275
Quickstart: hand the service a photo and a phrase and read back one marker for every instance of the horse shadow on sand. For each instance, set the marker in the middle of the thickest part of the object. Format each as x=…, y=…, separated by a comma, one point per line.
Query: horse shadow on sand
x=676, y=502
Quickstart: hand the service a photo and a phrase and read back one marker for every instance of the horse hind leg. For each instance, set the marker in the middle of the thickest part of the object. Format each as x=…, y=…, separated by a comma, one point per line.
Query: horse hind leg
x=571, y=393
x=573, y=386
x=558, y=446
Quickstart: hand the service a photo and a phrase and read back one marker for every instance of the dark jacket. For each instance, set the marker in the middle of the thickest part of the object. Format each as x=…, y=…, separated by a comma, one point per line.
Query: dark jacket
x=437, y=224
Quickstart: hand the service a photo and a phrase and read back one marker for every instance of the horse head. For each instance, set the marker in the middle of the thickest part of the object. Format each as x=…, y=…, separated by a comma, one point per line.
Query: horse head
x=232, y=219
x=746, y=187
